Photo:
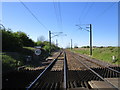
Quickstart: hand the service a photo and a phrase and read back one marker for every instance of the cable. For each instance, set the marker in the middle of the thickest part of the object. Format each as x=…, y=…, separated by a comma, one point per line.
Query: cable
x=83, y=12
x=59, y=6
x=33, y=15
x=104, y=11
x=60, y=14
x=56, y=12
x=89, y=8
x=57, y=9
x=107, y=8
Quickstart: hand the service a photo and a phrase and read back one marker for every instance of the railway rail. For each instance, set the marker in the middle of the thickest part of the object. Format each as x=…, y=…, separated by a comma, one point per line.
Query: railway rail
x=20, y=79
x=71, y=71
x=101, y=72
x=53, y=77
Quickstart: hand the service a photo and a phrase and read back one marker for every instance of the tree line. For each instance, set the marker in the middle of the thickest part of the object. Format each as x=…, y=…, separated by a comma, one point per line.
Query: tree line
x=14, y=41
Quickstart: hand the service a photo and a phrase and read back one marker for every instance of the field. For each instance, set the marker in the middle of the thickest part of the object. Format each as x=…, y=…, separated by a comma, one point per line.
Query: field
x=101, y=53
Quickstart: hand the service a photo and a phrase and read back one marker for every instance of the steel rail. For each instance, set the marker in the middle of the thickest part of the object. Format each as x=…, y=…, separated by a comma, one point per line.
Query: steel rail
x=41, y=74
x=65, y=72
x=97, y=74
x=113, y=70
x=100, y=65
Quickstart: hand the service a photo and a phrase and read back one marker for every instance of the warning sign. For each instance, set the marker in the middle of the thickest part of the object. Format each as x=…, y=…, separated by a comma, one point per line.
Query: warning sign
x=37, y=52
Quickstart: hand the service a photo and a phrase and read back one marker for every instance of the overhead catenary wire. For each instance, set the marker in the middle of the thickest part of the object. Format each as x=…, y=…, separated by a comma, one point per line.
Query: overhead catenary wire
x=83, y=10
x=88, y=10
x=57, y=9
x=60, y=14
x=61, y=28
x=101, y=14
x=33, y=15
x=98, y=16
x=104, y=11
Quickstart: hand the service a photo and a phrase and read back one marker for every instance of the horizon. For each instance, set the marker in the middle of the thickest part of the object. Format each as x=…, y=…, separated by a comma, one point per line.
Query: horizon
x=63, y=17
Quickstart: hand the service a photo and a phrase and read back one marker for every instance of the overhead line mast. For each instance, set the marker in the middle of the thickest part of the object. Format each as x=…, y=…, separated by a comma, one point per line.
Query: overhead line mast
x=90, y=30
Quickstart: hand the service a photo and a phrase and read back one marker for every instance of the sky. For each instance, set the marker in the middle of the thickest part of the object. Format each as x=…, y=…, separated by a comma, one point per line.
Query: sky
x=38, y=18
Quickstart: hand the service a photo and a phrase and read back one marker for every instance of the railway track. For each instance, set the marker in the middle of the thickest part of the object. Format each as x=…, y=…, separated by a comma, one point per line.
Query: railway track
x=53, y=75
x=71, y=71
x=20, y=79
x=91, y=71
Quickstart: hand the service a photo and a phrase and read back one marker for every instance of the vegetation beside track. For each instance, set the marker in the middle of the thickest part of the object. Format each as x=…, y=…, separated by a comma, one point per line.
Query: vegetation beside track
x=18, y=46
x=101, y=53
x=9, y=63
x=12, y=60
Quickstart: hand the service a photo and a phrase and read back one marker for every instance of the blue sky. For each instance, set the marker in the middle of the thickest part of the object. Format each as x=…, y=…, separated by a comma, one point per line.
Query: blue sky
x=63, y=17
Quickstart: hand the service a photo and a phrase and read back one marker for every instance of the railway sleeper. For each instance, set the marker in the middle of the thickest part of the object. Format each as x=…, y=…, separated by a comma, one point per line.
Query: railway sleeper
x=105, y=73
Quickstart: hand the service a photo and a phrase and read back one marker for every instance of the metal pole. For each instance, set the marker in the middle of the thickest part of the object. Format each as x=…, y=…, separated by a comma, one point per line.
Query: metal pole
x=90, y=39
x=71, y=44
x=50, y=41
x=65, y=72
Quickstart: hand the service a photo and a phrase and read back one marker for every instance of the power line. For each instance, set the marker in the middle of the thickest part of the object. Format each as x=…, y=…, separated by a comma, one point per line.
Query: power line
x=104, y=11
x=86, y=10
x=60, y=14
x=83, y=10
x=59, y=6
x=56, y=12
x=57, y=9
x=89, y=8
x=107, y=8
x=33, y=15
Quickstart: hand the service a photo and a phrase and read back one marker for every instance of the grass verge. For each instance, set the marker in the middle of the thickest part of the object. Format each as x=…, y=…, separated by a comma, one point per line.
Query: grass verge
x=104, y=53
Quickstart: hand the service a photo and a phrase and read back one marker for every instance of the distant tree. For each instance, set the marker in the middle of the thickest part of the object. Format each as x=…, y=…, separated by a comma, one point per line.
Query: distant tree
x=94, y=46
x=41, y=38
x=14, y=41
x=85, y=47
x=25, y=40
x=10, y=41
x=75, y=45
x=47, y=48
x=46, y=42
x=101, y=47
x=40, y=43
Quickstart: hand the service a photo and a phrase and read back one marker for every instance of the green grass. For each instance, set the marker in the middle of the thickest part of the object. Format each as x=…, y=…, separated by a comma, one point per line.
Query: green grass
x=29, y=48
x=104, y=53
x=9, y=63
x=12, y=60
